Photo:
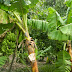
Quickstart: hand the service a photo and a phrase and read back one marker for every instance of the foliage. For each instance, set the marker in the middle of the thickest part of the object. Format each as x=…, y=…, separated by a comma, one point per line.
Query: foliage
x=40, y=11
x=41, y=53
x=54, y=27
x=18, y=9
x=38, y=24
x=43, y=43
x=63, y=62
x=57, y=27
x=22, y=56
x=19, y=5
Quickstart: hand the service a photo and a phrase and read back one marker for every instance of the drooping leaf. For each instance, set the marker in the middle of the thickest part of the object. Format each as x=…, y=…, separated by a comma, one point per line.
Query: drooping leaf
x=38, y=24
x=58, y=35
x=54, y=34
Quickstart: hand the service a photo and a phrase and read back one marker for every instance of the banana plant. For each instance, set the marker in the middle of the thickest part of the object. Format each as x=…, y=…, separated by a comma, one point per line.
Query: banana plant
x=17, y=11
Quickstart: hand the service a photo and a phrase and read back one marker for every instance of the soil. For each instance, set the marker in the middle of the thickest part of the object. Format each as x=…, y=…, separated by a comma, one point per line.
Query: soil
x=18, y=65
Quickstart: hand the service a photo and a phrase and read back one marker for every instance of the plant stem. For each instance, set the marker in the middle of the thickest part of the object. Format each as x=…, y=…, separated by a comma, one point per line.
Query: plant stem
x=17, y=17
x=31, y=50
x=20, y=27
x=25, y=22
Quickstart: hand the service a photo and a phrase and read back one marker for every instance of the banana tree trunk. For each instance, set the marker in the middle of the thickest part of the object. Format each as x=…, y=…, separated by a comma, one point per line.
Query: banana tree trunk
x=30, y=45
x=70, y=51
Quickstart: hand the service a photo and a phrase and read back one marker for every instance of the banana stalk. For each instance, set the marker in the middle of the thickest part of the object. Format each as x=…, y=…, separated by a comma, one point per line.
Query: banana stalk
x=30, y=45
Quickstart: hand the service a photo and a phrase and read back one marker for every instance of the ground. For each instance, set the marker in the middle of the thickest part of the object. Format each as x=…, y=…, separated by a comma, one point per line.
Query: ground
x=19, y=67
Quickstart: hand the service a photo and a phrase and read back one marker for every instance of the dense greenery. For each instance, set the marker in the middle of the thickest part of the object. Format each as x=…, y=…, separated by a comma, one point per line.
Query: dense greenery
x=49, y=23
x=40, y=11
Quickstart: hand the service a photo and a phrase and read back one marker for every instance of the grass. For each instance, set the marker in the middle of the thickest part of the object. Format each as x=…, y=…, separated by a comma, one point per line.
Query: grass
x=42, y=68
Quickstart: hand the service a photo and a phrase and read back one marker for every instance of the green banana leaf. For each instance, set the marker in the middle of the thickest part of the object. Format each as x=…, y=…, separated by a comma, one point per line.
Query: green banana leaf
x=66, y=29
x=38, y=24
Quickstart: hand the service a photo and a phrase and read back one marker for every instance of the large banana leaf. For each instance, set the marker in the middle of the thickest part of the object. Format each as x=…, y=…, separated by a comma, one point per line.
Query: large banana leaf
x=38, y=24
x=66, y=29
x=63, y=62
x=58, y=35
x=54, y=19
x=20, y=6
